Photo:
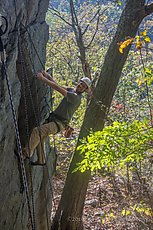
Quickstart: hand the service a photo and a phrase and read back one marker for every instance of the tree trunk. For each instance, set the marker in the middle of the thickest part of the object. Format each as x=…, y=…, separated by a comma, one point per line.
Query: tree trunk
x=69, y=212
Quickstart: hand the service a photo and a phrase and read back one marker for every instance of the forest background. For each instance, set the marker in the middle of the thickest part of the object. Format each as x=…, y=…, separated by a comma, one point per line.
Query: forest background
x=120, y=156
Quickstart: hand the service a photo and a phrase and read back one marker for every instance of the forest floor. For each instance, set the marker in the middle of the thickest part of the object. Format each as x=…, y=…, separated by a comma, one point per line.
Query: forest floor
x=112, y=202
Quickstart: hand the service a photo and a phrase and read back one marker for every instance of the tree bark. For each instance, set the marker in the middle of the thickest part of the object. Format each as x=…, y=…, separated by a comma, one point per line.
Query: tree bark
x=69, y=212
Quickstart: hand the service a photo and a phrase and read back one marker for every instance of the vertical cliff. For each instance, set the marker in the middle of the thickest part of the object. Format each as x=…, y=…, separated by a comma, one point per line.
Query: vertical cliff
x=27, y=33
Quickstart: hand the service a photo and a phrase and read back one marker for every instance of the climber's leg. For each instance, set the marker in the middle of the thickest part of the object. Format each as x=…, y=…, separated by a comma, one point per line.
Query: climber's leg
x=38, y=136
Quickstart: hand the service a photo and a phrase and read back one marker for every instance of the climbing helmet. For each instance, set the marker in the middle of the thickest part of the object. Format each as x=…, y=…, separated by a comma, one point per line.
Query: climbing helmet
x=87, y=81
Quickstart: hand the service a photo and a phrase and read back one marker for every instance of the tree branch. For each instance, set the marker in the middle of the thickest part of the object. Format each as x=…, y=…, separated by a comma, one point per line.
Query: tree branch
x=57, y=13
x=91, y=21
x=93, y=34
x=77, y=31
x=73, y=13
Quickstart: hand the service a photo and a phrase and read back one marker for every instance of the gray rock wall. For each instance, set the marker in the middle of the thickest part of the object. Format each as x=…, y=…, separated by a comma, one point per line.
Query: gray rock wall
x=27, y=18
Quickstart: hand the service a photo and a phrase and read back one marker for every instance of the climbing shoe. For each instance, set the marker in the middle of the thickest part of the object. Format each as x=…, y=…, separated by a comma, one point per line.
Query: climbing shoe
x=37, y=163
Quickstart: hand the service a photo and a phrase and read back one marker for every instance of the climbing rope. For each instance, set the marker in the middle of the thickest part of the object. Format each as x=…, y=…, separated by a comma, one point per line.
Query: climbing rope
x=31, y=214
x=24, y=77
x=19, y=148
x=37, y=121
x=38, y=125
x=24, y=73
x=45, y=168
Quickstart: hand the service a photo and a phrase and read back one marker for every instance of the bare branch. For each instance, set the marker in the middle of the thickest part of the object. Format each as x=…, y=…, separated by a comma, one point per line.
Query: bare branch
x=91, y=21
x=73, y=13
x=77, y=31
x=58, y=14
x=64, y=60
x=93, y=34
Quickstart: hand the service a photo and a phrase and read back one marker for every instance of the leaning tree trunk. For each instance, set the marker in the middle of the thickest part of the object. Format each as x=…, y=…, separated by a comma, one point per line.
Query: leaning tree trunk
x=69, y=212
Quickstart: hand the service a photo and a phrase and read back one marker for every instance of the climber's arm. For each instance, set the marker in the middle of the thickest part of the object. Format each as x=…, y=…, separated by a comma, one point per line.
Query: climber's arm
x=50, y=77
x=47, y=79
x=47, y=75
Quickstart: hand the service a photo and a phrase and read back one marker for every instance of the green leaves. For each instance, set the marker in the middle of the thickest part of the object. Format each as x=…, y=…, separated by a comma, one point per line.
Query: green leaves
x=115, y=146
x=119, y=2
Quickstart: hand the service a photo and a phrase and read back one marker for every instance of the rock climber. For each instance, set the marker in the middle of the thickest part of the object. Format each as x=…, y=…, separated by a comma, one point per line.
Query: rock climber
x=59, y=119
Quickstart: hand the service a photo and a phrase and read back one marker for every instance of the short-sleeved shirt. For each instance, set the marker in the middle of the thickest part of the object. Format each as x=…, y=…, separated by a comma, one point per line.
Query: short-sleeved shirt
x=68, y=105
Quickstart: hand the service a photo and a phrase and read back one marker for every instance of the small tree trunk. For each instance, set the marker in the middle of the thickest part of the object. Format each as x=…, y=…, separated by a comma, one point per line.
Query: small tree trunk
x=69, y=213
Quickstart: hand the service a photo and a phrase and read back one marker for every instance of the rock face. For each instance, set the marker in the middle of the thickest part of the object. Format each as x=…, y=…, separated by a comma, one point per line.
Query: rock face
x=27, y=33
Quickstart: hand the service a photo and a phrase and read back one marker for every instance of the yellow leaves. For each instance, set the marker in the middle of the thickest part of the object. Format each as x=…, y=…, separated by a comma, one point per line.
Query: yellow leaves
x=142, y=208
x=144, y=36
x=111, y=215
x=147, y=77
x=126, y=212
x=108, y=217
x=143, y=33
x=147, y=39
x=139, y=82
x=123, y=45
x=148, y=212
x=138, y=45
x=138, y=41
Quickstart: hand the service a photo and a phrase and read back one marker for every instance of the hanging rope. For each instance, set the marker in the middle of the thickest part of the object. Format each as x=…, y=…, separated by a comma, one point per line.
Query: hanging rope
x=32, y=214
x=24, y=75
x=45, y=168
x=19, y=148
x=37, y=55
x=38, y=125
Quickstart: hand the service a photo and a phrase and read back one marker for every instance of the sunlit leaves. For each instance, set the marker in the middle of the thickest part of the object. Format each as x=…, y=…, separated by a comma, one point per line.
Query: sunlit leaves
x=140, y=208
x=147, y=39
x=116, y=145
x=141, y=39
x=132, y=209
x=119, y=2
x=139, y=82
x=137, y=42
x=125, y=44
x=143, y=35
x=147, y=77
x=126, y=212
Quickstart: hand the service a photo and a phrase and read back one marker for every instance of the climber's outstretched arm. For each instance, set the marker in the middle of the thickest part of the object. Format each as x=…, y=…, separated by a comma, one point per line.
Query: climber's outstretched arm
x=48, y=79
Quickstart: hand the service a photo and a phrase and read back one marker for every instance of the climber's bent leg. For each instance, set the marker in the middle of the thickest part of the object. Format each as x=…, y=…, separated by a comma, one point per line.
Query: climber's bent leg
x=51, y=129
x=38, y=136
x=41, y=156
